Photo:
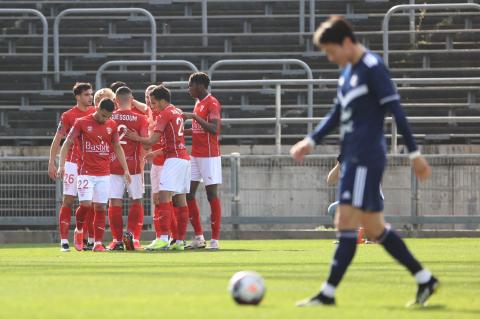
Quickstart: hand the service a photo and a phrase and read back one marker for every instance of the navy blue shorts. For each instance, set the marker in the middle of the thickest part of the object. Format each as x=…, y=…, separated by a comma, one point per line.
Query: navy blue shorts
x=360, y=185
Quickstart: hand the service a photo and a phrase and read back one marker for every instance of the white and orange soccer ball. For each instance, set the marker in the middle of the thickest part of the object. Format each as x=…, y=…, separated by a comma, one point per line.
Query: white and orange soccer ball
x=247, y=288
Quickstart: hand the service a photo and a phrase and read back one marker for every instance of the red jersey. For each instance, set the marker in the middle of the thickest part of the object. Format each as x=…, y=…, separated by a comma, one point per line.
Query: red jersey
x=66, y=123
x=158, y=160
x=170, y=125
x=126, y=120
x=205, y=144
x=95, y=143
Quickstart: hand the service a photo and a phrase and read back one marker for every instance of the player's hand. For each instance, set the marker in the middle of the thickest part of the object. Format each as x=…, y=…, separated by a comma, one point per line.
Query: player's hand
x=132, y=134
x=128, y=178
x=421, y=168
x=52, y=171
x=60, y=172
x=299, y=150
x=149, y=157
x=156, y=198
x=188, y=115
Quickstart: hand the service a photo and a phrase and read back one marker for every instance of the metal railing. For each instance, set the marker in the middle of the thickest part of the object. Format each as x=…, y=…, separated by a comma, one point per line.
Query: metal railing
x=386, y=19
x=58, y=18
x=269, y=189
x=44, y=32
x=385, y=30
x=103, y=67
x=283, y=62
x=278, y=120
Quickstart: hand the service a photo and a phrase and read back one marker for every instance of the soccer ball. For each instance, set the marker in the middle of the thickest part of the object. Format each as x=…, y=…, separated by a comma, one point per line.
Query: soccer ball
x=247, y=288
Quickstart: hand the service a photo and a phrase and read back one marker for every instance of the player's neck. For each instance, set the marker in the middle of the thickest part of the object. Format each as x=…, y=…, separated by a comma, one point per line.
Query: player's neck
x=203, y=95
x=82, y=107
x=357, y=54
x=125, y=108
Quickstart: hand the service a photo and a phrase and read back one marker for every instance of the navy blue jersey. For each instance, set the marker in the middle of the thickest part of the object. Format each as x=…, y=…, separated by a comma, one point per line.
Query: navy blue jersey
x=365, y=93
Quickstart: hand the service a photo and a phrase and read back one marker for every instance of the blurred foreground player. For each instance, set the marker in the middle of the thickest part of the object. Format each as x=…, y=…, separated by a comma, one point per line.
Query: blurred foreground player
x=365, y=94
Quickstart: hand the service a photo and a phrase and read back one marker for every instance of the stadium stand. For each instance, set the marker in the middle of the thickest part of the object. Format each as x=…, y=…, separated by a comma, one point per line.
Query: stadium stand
x=445, y=44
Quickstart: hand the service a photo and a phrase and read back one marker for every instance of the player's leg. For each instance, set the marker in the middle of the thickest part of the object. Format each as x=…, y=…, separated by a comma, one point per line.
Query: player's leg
x=181, y=212
x=136, y=190
x=64, y=220
x=155, y=173
x=215, y=214
x=174, y=223
x=117, y=189
x=211, y=170
x=375, y=228
x=65, y=213
x=194, y=217
x=194, y=212
x=347, y=220
x=162, y=221
x=101, y=190
x=89, y=230
x=181, y=186
x=85, y=187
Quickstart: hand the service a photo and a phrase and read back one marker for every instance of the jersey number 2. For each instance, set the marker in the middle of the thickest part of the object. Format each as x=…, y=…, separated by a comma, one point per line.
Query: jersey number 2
x=180, y=126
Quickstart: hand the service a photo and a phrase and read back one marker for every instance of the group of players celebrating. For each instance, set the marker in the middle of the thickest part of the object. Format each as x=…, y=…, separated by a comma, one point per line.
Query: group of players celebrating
x=109, y=137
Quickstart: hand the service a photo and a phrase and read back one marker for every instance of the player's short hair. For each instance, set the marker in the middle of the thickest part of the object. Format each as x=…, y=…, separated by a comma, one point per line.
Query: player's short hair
x=150, y=88
x=101, y=94
x=199, y=78
x=81, y=87
x=334, y=30
x=123, y=90
x=107, y=105
x=115, y=85
x=160, y=92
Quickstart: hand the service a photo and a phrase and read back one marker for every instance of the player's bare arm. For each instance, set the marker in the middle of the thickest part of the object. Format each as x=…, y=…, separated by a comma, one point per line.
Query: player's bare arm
x=332, y=177
x=211, y=127
x=148, y=141
x=63, y=155
x=149, y=156
x=117, y=148
x=142, y=107
x=54, y=148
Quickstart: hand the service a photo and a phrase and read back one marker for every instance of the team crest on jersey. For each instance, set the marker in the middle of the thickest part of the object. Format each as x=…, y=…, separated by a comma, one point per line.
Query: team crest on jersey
x=202, y=107
x=89, y=129
x=354, y=80
x=341, y=80
x=109, y=130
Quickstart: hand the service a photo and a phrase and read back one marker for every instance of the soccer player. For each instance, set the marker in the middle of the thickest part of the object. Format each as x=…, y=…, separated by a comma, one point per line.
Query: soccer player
x=96, y=134
x=206, y=159
x=157, y=157
x=176, y=173
x=137, y=107
x=88, y=230
x=83, y=95
x=365, y=94
x=126, y=120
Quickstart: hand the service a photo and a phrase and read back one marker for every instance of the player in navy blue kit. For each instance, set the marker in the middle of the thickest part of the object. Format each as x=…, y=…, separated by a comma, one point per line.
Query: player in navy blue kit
x=365, y=94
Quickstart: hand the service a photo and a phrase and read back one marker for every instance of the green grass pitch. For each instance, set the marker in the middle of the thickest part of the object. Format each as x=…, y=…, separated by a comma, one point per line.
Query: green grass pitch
x=37, y=281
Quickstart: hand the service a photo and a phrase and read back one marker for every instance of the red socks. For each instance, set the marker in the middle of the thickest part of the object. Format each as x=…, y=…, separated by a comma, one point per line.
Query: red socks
x=162, y=219
x=89, y=222
x=116, y=222
x=174, y=224
x=99, y=223
x=194, y=216
x=64, y=218
x=216, y=217
x=80, y=216
x=135, y=220
x=182, y=222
